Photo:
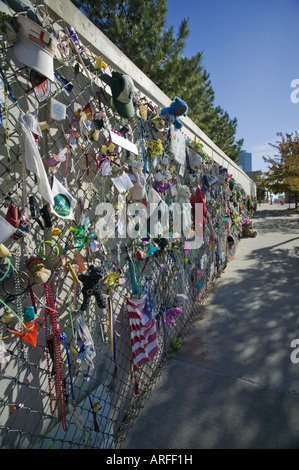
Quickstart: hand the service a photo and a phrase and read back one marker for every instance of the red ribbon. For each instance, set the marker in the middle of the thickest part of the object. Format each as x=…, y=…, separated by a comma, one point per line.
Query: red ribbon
x=95, y=159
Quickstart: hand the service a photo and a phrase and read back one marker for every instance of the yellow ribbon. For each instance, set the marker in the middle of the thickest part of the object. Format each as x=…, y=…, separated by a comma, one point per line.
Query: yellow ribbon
x=111, y=327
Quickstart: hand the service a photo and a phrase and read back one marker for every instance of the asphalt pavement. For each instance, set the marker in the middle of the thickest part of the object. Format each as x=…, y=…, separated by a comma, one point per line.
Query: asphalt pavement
x=234, y=384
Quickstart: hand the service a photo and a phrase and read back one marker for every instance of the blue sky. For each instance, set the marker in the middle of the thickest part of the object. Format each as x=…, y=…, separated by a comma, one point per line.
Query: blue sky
x=251, y=51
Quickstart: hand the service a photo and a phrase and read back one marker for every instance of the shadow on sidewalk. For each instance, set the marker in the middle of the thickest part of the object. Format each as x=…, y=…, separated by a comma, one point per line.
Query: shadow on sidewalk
x=278, y=220
x=257, y=304
x=233, y=385
x=275, y=212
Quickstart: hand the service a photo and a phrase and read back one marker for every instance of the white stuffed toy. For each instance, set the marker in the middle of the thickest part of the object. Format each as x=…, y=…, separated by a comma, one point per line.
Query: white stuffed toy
x=179, y=300
x=183, y=194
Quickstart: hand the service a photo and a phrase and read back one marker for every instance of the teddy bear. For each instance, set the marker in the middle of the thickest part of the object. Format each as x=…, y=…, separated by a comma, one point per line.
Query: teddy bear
x=247, y=230
x=91, y=286
x=37, y=270
x=177, y=108
x=183, y=194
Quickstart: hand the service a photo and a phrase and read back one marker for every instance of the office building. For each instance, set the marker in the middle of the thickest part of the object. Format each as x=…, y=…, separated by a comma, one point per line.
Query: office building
x=245, y=161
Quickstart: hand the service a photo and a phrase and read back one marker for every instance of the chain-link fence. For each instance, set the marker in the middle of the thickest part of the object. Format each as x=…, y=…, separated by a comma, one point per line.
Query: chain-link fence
x=67, y=378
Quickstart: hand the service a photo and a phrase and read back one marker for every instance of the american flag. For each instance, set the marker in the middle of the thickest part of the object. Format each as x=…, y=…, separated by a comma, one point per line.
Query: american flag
x=143, y=331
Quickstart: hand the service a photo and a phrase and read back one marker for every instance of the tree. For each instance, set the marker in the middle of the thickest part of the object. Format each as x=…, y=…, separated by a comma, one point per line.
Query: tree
x=223, y=130
x=289, y=150
x=260, y=192
x=283, y=173
x=138, y=28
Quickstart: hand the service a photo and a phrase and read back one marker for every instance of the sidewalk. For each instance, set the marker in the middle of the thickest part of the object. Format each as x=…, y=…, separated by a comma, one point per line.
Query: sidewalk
x=233, y=385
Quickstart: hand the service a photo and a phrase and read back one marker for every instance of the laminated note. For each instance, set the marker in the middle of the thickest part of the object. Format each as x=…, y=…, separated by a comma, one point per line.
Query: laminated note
x=122, y=183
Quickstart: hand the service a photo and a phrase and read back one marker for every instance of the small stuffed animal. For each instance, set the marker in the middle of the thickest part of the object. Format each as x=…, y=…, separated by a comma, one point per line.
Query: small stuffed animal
x=161, y=186
x=179, y=300
x=177, y=308
x=247, y=230
x=162, y=243
x=177, y=108
x=37, y=270
x=91, y=286
x=183, y=194
x=162, y=178
x=172, y=313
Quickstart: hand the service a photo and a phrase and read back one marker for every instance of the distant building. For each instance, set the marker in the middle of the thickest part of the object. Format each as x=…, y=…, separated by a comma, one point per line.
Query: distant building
x=254, y=175
x=245, y=161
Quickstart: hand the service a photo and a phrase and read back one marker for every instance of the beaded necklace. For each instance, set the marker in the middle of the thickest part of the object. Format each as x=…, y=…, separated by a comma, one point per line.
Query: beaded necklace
x=57, y=359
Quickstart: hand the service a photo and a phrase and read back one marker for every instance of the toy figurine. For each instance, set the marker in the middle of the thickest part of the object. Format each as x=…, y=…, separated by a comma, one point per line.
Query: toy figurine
x=37, y=270
x=177, y=108
x=91, y=286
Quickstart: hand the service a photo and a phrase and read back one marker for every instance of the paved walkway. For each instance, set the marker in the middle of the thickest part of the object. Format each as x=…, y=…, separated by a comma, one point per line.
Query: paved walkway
x=233, y=385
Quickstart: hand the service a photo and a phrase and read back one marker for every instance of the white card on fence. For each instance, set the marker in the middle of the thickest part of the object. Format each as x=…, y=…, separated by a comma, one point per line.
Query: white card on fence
x=122, y=142
x=6, y=229
x=178, y=145
x=57, y=110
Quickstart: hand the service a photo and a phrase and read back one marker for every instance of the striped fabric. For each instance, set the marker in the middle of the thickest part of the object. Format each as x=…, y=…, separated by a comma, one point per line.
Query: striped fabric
x=143, y=331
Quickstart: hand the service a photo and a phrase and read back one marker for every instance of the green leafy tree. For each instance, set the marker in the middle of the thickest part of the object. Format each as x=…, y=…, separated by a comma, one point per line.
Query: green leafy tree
x=138, y=28
x=289, y=150
x=223, y=130
x=260, y=192
x=272, y=179
x=283, y=169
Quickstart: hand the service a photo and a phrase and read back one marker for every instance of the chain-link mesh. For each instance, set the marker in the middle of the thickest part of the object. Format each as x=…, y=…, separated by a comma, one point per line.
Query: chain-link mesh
x=51, y=394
